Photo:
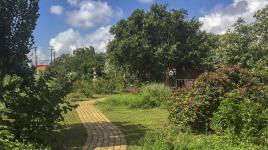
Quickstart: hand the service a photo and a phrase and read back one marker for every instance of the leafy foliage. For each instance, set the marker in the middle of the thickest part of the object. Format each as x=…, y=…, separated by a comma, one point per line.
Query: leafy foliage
x=194, y=108
x=151, y=96
x=108, y=86
x=83, y=88
x=171, y=139
x=246, y=46
x=8, y=142
x=34, y=110
x=81, y=64
x=155, y=93
x=241, y=117
x=18, y=20
x=149, y=44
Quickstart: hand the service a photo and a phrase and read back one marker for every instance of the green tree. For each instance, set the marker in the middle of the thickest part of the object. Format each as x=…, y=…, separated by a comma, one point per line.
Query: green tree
x=246, y=46
x=150, y=44
x=82, y=64
x=31, y=106
x=18, y=20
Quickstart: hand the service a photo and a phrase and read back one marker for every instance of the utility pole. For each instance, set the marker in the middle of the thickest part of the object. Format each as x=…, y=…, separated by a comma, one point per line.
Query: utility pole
x=54, y=55
x=51, y=53
x=35, y=55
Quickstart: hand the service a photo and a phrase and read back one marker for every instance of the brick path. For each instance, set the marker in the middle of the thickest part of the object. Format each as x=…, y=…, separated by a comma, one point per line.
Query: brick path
x=102, y=134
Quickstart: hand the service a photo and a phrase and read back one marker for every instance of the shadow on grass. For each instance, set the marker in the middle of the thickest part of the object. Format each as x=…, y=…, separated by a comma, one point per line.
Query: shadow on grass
x=74, y=136
x=133, y=132
x=71, y=137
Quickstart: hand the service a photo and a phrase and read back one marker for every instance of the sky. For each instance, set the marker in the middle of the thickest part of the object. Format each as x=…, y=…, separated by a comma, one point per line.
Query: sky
x=69, y=24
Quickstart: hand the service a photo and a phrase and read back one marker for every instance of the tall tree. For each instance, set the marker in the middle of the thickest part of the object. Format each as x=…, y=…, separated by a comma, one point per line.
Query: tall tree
x=150, y=44
x=17, y=22
x=246, y=46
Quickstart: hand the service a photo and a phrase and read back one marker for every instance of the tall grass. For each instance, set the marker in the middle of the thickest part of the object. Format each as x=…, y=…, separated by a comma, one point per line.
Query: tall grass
x=156, y=93
x=151, y=96
x=170, y=139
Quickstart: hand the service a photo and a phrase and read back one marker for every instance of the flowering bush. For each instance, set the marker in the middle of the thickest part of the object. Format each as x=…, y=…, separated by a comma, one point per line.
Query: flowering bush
x=195, y=107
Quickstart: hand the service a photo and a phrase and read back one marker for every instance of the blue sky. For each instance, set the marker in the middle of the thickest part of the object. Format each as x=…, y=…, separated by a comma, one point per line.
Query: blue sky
x=69, y=24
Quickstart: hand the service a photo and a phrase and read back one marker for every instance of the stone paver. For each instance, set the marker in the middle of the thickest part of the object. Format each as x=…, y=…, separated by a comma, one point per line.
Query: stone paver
x=102, y=134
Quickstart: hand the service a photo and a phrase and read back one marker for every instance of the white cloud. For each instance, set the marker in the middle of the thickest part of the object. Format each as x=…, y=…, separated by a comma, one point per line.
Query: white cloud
x=223, y=17
x=89, y=13
x=73, y=2
x=69, y=40
x=146, y=1
x=56, y=9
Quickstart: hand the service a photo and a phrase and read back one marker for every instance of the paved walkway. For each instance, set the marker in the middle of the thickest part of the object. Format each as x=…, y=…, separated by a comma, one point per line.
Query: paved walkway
x=102, y=134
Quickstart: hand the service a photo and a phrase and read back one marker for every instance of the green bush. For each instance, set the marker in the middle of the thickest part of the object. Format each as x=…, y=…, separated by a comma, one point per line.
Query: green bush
x=108, y=86
x=241, y=117
x=33, y=108
x=155, y=94
x=195, y=107
x=82, y=89
x=8, y=142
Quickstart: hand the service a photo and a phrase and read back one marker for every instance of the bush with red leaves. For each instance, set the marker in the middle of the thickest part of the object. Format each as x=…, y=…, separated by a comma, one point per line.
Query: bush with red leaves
x=193, y=108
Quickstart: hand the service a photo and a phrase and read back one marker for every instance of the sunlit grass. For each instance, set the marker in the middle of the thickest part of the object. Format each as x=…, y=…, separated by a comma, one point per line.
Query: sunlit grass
x=134, y=123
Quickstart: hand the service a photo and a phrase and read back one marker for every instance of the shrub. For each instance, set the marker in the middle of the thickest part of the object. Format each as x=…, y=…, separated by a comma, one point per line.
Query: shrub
x=108, y=86
x=33, y=109
x=182, y=110
x=8, y=142
x=82, y=89
x=241, y=117
x=195, y=107
x=155, y=94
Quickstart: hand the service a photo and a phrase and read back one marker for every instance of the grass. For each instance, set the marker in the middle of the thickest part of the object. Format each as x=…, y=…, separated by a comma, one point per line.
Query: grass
x=171, y=139
x=134, y=123
x=149, y=129
x=76, y=97
x=72, y=136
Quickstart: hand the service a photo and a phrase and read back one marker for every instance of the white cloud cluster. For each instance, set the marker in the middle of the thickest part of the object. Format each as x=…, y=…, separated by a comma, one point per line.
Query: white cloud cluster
x=223, y=17
x=73, y=2
x=146, y=1
x=69, y=40
x=89, y=13
x=56, y=9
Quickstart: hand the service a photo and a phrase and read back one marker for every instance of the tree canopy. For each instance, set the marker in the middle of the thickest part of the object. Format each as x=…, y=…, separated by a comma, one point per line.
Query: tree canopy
x=246, y=46
x=150, y=44
x=83, y=62
x=17, y=22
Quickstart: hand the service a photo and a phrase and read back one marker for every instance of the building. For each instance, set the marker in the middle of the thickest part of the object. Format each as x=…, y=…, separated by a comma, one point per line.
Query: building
x=41, y=68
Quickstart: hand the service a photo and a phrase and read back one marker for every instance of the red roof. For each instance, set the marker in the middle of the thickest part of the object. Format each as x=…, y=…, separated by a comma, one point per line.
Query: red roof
x=42, y=65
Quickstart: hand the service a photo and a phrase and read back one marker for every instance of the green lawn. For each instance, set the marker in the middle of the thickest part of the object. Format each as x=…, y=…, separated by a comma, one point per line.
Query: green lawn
x=134, y=123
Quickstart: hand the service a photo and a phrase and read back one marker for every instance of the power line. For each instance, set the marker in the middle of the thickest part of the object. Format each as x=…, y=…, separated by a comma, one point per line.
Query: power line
x=54, y=55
